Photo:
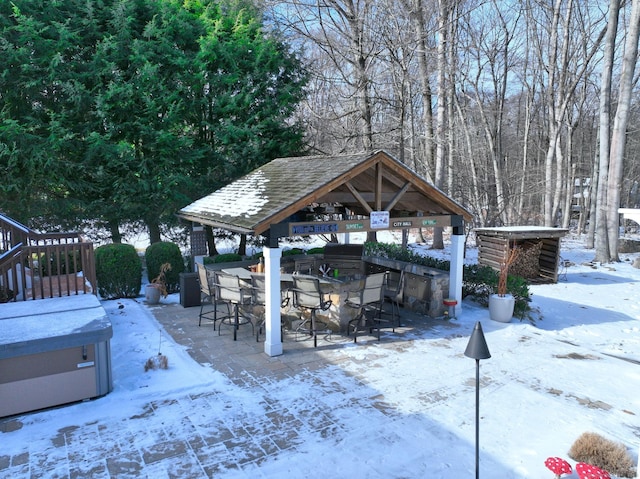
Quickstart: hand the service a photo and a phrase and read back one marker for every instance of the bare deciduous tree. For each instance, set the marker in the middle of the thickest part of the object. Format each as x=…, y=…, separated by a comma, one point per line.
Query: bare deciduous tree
x=599, y=226
x=619, y=131
x=494, y=102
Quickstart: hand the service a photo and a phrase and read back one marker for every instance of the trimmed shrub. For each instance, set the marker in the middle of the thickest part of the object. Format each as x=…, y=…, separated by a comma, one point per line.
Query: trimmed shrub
x=519, y=288
x=396, y=252
x=165, y=252
x=292, y=252
x=319, y=250
x=596, y=450
x=227, y=258
x=479, y=282
x=118, y=271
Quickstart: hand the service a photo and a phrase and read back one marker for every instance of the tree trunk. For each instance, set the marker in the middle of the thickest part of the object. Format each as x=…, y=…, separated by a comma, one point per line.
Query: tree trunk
x=424, y=165
x=525, y=152
x=600, y=205
x=443, y=37
x=568, y=187
x=557, y=95
x=420, y=33
x=474, y=192
x=114, y=229
x=242, y=247
x=211, y=241
x=154, y=231
x=590, y=213
x=551, y=111
x=619, y=132
x=563, y=156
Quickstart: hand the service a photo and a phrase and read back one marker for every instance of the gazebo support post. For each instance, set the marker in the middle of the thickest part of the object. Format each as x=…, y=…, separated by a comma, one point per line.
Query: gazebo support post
x=455, y=266
x=273, y=340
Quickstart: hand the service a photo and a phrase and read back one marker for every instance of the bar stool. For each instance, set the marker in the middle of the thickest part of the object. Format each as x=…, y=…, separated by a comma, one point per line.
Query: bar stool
x=307, y=295
x=451, y=303
x=229, y=289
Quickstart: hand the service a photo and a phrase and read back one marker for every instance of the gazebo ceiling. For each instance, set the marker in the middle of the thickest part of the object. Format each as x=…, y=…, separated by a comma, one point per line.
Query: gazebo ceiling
x=282, y=189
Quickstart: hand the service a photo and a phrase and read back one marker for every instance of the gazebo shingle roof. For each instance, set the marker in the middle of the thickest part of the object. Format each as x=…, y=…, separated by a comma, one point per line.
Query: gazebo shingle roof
x=279, y=189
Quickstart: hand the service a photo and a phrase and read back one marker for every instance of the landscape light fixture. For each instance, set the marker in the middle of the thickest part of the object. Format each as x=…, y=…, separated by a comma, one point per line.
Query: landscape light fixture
x=477, y=349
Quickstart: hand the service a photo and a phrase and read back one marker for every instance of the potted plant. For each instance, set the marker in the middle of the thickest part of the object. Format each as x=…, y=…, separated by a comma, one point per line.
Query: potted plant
x=501, y=304
x=158, y=286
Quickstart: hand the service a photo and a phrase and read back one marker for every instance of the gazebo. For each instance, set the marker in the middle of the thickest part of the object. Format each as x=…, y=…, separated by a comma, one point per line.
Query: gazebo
x=324, y=195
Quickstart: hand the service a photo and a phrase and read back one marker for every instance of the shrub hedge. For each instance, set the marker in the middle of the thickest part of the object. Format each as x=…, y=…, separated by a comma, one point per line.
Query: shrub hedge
x=227, y=258
x=118, y=271
x=292, y=252
x=165, y=252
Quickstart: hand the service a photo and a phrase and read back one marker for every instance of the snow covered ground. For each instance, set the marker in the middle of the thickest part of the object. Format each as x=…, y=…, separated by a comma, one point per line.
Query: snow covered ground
x=575, y=369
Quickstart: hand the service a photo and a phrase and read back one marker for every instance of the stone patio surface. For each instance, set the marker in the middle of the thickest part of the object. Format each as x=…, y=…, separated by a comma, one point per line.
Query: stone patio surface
x=207, y=448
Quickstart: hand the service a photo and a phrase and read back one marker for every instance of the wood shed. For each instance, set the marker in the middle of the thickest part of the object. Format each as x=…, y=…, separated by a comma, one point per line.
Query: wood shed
x=539, y=250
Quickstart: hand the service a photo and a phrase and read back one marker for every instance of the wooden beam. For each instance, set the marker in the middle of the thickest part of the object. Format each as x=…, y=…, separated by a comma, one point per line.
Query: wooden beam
x=378, y=187
x=397, y=196
x=358, y=197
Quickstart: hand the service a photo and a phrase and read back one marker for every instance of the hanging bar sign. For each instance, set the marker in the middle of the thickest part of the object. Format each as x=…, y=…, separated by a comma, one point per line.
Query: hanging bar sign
x=378, y=220
x=402, y=224
x=317, y=228
x=354, y=226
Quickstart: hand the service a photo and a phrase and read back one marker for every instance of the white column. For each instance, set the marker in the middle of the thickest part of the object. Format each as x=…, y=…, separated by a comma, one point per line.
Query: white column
x=455, y=270
x=273, y=341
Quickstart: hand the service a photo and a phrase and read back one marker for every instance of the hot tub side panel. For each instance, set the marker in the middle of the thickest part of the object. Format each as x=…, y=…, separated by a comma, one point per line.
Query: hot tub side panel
x=40, y=380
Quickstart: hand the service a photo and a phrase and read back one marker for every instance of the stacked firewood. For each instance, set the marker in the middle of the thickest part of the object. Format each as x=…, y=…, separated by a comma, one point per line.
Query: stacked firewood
x=527, y=264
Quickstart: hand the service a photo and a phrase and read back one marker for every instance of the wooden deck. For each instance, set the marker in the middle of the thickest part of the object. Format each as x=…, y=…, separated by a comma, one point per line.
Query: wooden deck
x=43, y=265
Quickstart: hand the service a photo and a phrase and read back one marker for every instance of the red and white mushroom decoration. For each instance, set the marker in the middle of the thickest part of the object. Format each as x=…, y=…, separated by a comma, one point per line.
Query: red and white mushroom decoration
x=588, y=471
x=558, y=466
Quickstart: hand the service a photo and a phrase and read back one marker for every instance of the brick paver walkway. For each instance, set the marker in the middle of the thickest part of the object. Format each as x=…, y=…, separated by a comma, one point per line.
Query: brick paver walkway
x=205, y=434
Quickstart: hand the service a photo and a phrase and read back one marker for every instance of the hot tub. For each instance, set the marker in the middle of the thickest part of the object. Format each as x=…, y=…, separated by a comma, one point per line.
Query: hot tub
x=52, y=352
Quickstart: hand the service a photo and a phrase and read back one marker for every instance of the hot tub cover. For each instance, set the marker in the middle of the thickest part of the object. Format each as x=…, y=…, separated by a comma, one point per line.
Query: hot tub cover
x=39, y=326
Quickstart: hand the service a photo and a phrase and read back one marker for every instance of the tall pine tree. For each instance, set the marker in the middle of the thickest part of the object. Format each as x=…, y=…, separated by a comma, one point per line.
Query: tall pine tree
x=121, y=112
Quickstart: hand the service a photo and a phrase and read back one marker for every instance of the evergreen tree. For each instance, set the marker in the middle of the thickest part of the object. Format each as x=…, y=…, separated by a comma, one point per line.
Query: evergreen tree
x=124, y=111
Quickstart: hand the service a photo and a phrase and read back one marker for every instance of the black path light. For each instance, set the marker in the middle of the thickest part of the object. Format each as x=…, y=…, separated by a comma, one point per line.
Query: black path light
x=477, y=349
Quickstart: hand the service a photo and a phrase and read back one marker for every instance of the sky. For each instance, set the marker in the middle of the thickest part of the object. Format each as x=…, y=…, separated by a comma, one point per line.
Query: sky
x=574, y=368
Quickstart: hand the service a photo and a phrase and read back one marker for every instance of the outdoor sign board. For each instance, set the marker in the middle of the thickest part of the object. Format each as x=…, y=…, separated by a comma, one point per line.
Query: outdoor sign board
x=370, y=224
x=379, y=220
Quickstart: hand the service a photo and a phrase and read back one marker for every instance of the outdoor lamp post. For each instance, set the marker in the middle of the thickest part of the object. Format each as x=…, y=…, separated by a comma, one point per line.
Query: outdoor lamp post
x=477, y=349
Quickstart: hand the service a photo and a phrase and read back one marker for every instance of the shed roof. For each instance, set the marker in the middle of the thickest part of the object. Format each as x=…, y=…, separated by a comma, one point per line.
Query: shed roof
x=522, y=232
x=280, y=189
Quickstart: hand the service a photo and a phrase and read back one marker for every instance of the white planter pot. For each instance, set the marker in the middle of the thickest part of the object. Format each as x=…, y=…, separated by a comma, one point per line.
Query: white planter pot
x=152, y=294
x=501, y=307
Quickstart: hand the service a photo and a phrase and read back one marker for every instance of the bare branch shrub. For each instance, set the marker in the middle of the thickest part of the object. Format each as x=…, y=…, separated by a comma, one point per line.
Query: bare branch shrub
x=594, y=449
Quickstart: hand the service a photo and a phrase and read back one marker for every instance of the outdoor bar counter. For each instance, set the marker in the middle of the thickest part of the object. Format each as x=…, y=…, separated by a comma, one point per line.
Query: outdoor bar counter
x=52, y=352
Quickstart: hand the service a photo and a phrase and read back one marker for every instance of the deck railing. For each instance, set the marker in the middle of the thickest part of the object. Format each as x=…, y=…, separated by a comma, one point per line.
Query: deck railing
x=43, y=265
